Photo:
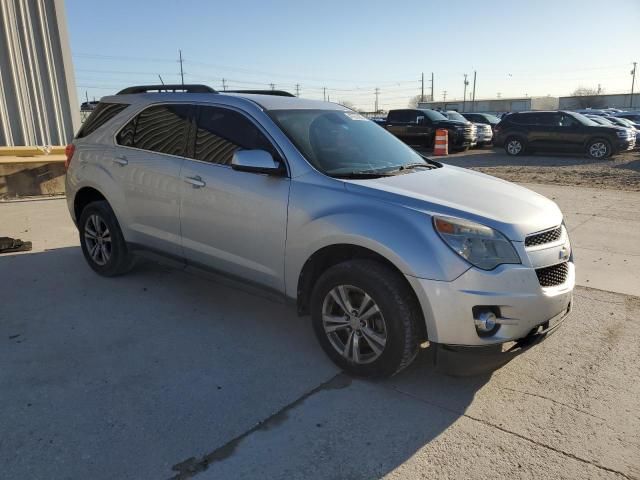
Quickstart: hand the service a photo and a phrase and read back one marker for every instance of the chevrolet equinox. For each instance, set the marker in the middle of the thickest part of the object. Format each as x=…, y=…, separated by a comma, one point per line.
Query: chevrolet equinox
x=385, y=249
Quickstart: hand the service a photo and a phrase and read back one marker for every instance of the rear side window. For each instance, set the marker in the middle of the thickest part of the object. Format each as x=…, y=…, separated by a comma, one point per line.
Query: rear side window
x=401, y=116
x=161, y=128
x=221, y=132
x=99, y=116
x=525, y=118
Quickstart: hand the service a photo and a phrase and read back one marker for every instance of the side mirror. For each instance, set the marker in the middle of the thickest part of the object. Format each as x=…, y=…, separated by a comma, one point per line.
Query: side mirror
x=256, y=161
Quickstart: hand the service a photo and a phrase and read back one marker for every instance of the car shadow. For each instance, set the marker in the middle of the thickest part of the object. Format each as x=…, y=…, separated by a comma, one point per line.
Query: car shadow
x=162, y=373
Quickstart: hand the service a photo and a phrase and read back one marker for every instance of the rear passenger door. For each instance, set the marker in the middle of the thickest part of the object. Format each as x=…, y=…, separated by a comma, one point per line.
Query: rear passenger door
x=146, y=162
x=233, y=221
x=398, y=123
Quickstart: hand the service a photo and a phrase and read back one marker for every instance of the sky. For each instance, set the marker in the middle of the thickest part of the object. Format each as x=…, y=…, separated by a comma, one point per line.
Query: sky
x=518, y=48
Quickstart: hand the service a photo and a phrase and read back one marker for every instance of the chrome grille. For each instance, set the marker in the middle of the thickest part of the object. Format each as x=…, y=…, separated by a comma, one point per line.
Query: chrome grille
x=553, y=276
x=543, y=237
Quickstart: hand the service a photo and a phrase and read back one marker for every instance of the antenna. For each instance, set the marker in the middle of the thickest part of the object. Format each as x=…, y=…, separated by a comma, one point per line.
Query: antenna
x=181, y=71
x=160, y=77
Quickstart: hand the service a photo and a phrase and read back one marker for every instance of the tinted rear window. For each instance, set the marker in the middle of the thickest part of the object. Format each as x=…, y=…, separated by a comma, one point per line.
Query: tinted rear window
x=161, y=128
x=99, y=116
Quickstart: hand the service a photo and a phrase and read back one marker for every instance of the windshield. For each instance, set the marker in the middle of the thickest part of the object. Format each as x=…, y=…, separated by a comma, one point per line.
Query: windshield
x=457, y=117
x=491, y=118
x=343, y=143
x=433, y=115
x=583, y=119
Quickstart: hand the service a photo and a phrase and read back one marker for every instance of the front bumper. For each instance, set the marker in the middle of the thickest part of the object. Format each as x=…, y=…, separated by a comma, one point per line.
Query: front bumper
x=465, y=360
x=513, y=289
x=626, y=145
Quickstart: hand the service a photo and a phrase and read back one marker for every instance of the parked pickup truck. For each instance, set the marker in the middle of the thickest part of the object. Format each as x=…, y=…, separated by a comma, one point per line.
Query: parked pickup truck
x=418, y=127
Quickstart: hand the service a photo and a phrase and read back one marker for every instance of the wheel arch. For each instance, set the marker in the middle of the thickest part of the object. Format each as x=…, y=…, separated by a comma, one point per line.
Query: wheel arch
x=330, y=255
x=83, y=197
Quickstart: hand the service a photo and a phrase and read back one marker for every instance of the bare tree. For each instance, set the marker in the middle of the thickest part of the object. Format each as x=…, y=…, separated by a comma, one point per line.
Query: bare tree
x=588, y=97
x=413, y=101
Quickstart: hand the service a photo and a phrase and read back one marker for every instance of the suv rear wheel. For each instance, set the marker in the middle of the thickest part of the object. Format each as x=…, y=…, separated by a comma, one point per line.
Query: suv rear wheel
x=365, y=318
x=514, y=146
x=102, y=242
x=599, y=149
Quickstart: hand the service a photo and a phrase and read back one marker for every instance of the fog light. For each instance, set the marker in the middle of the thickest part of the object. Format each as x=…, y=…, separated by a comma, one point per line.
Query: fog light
x=485, y=321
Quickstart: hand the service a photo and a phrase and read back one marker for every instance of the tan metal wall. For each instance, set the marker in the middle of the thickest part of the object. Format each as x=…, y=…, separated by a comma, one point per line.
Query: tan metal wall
x=38, y=103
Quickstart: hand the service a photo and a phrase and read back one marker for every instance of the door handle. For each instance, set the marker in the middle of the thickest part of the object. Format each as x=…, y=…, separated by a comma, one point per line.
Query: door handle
x=195, y=181
x=121, y=160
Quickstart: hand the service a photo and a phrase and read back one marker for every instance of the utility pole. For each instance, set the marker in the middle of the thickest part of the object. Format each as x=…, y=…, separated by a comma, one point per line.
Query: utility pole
x=473, y=101
x=324, y=93
x=633, y=82
x=297, y=89
x=377, y=93
x=444, y=95
x=422, y=91
x=464, y=95
x=432, y=97
x=273, y=86
x=224, y=84
x=498, y=95
x=181, y=71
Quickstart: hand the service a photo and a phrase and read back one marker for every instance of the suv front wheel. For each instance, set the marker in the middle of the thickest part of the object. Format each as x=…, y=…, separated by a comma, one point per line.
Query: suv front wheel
x=365, y=318
x=102, y=242
x=599, y=149
x=514, y=146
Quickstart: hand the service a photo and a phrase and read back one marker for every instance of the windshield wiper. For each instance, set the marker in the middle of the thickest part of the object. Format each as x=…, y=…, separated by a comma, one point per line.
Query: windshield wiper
x=361, y=174
x=409, y=166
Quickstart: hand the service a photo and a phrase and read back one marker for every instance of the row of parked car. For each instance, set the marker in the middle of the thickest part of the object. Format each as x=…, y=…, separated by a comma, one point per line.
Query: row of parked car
x=597, y=133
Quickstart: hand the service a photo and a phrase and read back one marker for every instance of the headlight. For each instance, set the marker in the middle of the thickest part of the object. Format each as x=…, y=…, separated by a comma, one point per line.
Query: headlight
x=478, y=244
x=622, y=133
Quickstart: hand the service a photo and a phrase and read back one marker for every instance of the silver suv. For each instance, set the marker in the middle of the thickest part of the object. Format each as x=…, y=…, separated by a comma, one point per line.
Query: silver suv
x=384, y=248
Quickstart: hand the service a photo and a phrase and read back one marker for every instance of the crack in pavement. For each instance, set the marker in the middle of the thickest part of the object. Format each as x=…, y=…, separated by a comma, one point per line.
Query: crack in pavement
x=553, y=401
x=504, y=430
x=192, y=466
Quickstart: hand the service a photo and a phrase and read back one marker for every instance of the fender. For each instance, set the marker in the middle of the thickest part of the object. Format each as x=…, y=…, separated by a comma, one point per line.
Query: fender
x=401, y=235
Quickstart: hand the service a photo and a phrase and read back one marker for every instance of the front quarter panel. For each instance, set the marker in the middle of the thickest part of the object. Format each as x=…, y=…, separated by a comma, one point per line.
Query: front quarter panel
x=323, y=213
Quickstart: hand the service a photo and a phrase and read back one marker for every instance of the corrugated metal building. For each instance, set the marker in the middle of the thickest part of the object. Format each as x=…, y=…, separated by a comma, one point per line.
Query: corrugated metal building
x=38, y=103
x=497, y=105
x=622, y=100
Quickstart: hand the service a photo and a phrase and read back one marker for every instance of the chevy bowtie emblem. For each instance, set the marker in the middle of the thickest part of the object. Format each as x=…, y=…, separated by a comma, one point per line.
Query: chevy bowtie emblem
x=564, y=253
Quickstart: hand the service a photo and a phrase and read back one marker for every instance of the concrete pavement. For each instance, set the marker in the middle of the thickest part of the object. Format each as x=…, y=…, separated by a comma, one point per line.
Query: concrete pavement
x=164, y=374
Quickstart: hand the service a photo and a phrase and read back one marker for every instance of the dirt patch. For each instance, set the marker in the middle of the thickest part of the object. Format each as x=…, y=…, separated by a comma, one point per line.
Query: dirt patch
x=619, y=173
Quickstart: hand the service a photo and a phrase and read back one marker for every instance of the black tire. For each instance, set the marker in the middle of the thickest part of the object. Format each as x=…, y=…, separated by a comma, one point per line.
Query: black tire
x=398, y=307
x=599, y=149
x=119, y=259
x=514, y=146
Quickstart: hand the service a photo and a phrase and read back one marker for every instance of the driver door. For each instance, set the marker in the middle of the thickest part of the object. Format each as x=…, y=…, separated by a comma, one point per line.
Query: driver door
x=233, y=221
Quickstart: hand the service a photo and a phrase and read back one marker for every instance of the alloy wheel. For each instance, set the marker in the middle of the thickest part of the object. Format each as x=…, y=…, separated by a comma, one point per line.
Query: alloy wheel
x=514, y=147
x=97, y=238
x=354, y=324
x=598, y=150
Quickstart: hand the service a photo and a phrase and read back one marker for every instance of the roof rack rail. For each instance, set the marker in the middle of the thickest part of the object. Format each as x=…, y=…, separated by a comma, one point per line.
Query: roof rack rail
x=278, y=93
x=185, y=88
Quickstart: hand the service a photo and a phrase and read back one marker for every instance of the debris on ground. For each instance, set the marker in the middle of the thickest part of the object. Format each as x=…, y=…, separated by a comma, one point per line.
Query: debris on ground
x=8, y=244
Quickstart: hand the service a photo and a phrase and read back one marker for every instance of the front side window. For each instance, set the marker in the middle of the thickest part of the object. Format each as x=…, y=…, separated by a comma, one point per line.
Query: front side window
x=341, y=143
x=160, y=128
x=221, y=132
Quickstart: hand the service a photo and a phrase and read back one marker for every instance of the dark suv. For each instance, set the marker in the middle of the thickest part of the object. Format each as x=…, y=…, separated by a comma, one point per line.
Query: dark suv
x=560, y=131
x=418, y=127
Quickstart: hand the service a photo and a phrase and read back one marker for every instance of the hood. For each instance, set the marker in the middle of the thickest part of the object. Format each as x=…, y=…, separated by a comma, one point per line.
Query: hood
x=513, y=210
x=450, y=123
